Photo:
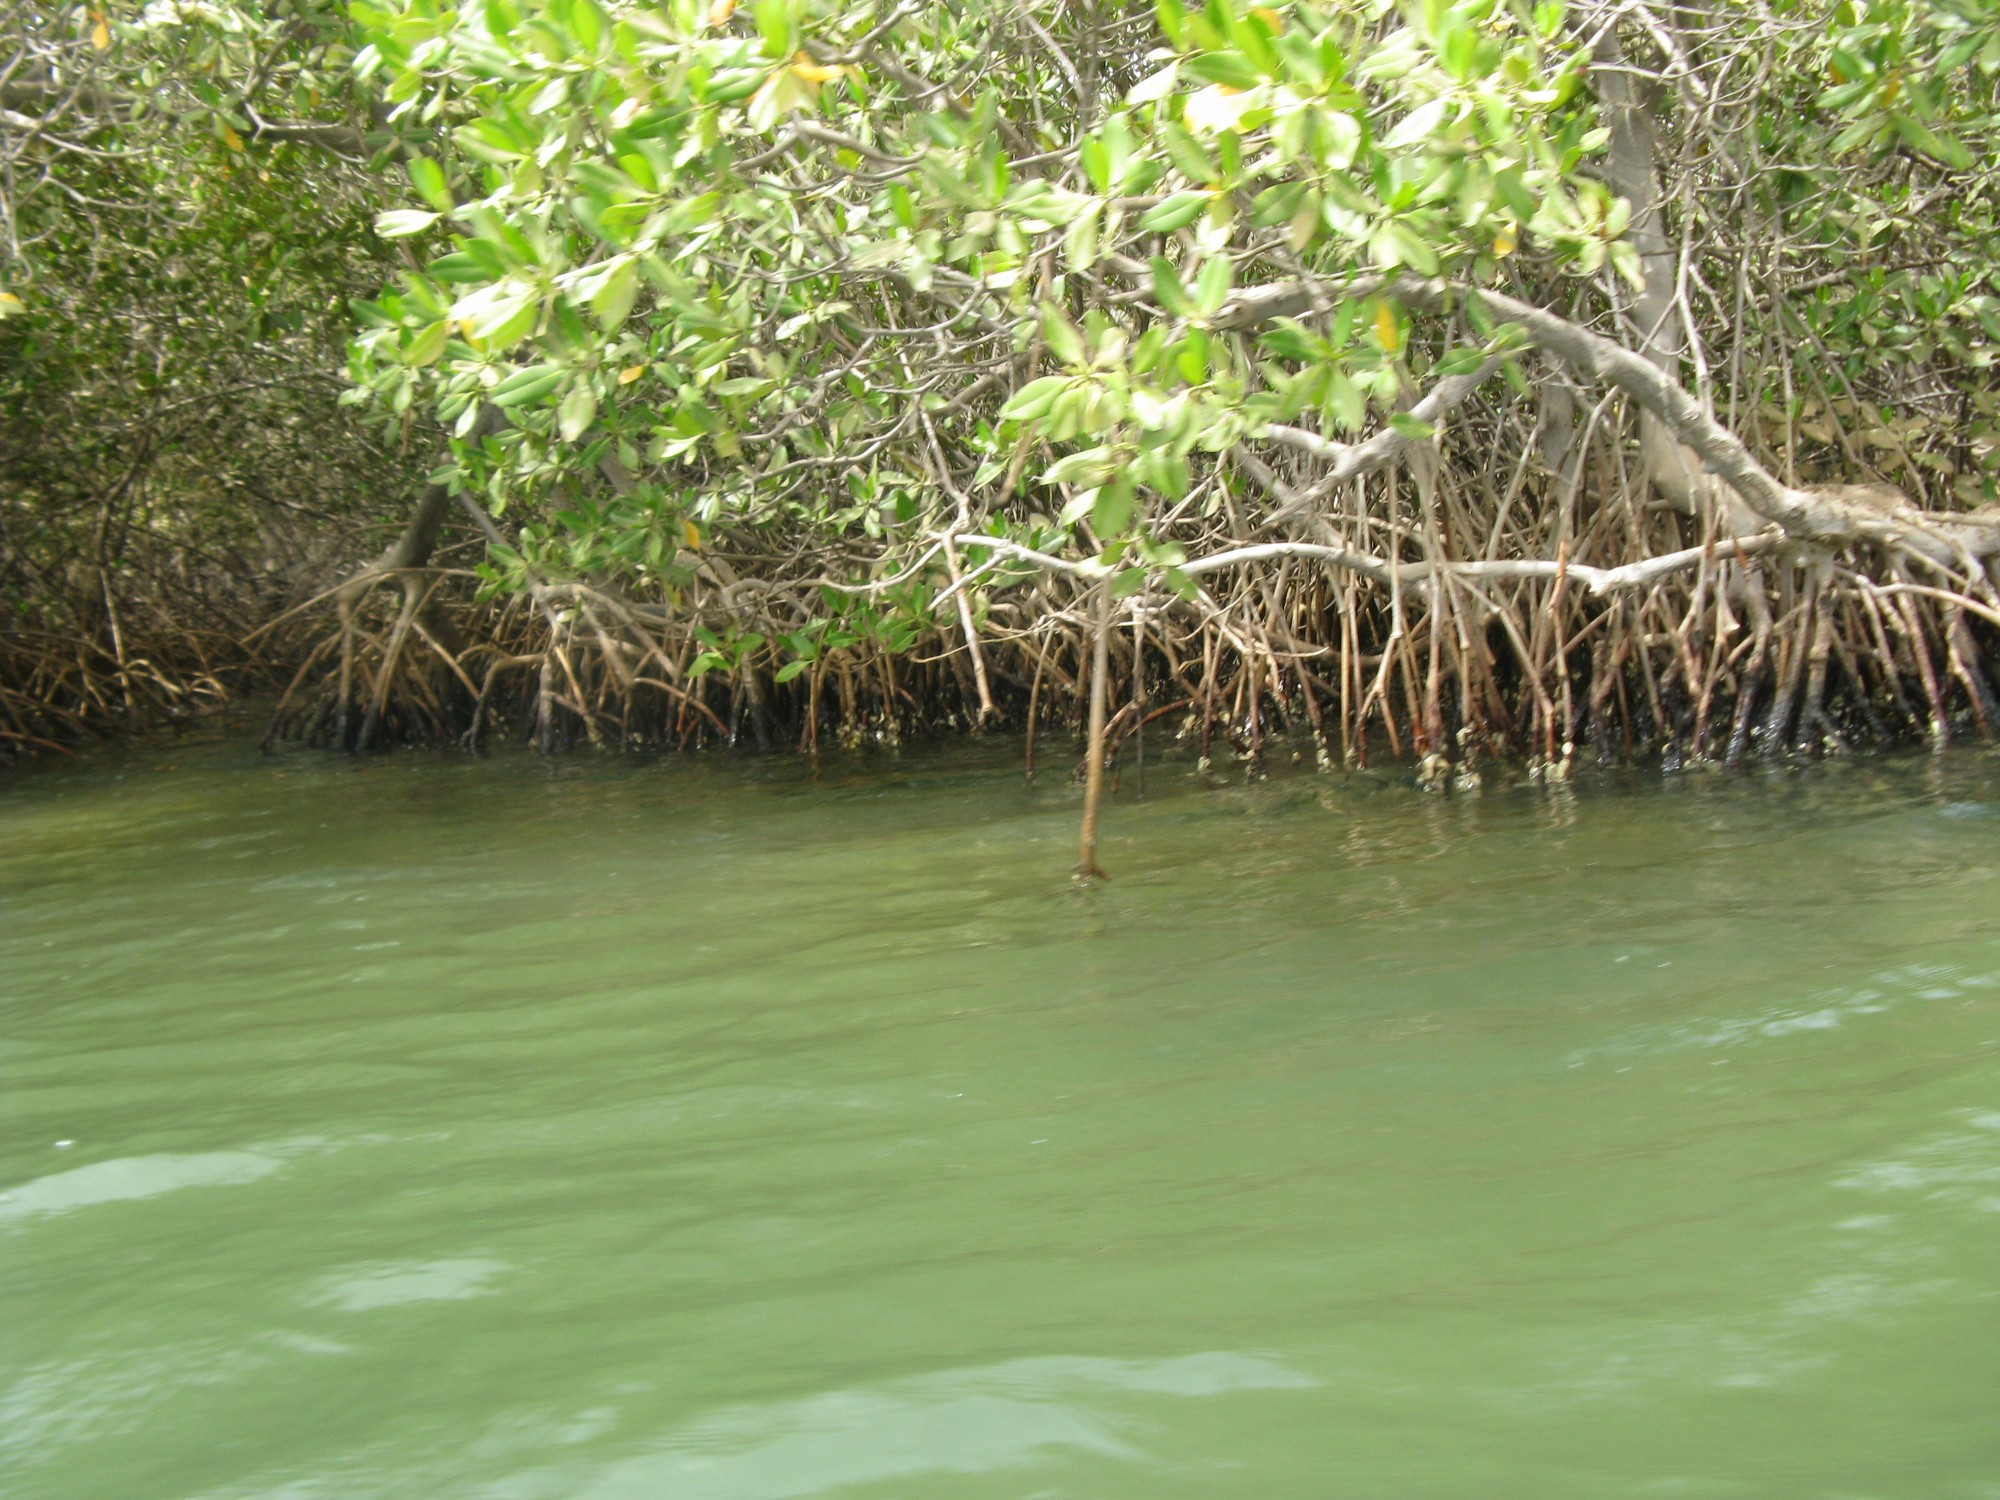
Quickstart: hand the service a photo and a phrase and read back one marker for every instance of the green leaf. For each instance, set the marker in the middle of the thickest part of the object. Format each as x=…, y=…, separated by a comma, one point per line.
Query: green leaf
x=1277, y=204
x=1946, y=149
x=425, y=348
x=577, y=412
x=612, y=301
x=1061, y=336
x=427, y=177
x=1080, y=241
x=1418, y=125
x=1346, y=403
x=1091, y=466
x=1078, y=507
x=1213, y=285
x=1169, y=292
x=1112, y=513
x=1341, y=141
x=1626, y=262
x=1034, y=399
x=1187, y=153
x=1230, y=69
x=526, y=385
x=508, y=321
x=696, y=213
x=398, y=223
x=1176, y=212
x=463, y=269
x=777, y=24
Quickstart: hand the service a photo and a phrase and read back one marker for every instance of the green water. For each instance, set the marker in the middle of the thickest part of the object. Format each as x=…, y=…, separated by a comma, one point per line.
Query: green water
x=718, y=1131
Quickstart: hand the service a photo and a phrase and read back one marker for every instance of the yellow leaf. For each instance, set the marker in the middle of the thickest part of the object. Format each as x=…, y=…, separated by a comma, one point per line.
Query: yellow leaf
x=1505, y=241
x=690, y=535
x=813, y=72
x=719, y=12
x=1217, y=107
x=1270, y=18
x=630, y=373
x=231, y=139
x=1387, y=333
x=100, y=35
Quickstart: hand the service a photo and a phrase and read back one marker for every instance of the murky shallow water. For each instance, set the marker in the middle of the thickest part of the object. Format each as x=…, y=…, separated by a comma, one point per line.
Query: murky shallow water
x=714, y=1131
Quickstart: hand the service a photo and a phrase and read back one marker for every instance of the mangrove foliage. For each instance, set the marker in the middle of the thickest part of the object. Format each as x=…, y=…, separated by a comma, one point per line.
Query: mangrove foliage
x=1430, y=378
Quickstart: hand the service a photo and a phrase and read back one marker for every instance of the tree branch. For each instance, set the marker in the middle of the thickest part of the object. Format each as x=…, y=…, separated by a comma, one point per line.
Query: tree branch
x=1822, y=514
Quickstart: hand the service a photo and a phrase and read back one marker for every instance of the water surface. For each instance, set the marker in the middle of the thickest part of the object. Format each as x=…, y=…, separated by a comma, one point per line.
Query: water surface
x=712, y=1130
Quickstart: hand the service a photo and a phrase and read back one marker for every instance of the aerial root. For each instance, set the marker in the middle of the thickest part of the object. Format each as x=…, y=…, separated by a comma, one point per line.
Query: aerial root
x=1767, y=659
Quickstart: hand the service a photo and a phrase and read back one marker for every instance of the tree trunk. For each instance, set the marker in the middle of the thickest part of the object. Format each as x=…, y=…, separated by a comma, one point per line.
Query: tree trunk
x=1087, y=867
x=1631, y=169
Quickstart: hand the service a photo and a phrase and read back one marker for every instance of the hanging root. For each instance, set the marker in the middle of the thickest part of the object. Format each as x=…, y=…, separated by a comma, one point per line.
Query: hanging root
x=110, y=672
x=1783, y=654
x=1786, y=654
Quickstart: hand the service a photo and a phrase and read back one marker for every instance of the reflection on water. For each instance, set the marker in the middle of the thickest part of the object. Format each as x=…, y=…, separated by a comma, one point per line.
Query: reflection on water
x=398, y=1282
x=1959, y=1167
x=700, y=1129
x=1820, y=1011
x=959, y=1422
x=132, y=1177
